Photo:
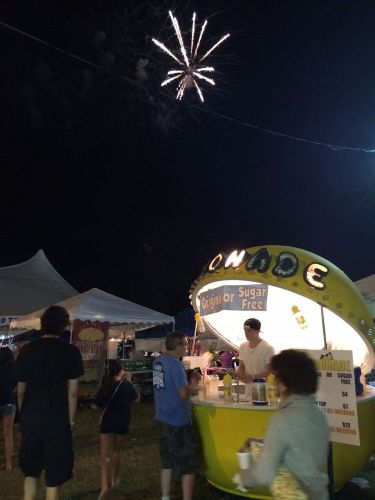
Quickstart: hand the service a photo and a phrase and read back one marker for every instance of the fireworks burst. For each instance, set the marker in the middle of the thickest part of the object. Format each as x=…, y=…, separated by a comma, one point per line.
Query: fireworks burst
x=190, y=64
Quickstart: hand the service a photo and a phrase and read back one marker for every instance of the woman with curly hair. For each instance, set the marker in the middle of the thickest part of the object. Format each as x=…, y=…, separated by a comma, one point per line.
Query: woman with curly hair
x=298, y=434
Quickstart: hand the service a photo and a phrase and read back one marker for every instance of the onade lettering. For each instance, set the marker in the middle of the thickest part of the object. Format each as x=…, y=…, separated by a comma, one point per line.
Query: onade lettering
x=286, y=265
x=333, y=364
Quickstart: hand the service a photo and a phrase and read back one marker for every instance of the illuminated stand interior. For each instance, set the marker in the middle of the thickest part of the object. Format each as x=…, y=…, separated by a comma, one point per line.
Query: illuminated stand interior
x=282, y=326
x=281, y=329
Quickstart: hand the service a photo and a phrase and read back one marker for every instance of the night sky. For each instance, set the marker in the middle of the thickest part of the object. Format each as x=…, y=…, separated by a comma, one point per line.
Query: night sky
x=128, y=190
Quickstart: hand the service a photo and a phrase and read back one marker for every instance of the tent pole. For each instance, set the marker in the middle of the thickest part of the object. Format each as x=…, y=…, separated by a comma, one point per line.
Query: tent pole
x=71, y=331
x=194, y=338
x=323, y=327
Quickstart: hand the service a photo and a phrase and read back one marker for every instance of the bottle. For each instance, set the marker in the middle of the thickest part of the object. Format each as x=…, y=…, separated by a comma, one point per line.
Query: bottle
x=259, y=391
x=209, y=387
x=227, y=383
x=202, y=392
x=214, y=385
x=272, y=390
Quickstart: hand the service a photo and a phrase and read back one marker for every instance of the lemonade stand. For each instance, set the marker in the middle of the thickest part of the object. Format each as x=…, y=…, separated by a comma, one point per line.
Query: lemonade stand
x=303, y=302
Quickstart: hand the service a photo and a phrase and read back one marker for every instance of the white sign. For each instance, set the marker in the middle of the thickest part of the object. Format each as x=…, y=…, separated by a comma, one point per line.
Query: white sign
x=5, y=320
x=336, y=394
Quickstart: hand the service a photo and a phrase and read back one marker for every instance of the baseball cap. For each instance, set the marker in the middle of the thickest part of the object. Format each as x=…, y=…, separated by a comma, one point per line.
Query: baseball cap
x=253, y=323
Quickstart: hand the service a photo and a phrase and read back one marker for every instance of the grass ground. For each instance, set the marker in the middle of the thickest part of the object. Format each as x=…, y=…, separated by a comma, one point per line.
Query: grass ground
x=139, y=471
x=140, y=468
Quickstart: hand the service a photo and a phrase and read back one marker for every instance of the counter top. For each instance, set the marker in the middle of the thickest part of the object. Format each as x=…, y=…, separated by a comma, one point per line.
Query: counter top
x=246, y=404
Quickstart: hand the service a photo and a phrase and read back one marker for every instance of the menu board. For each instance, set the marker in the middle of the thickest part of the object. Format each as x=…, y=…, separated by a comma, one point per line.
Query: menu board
x=336, y=394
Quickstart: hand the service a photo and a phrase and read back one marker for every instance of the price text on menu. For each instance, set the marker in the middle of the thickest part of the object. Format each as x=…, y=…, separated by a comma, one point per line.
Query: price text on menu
x=336, y=394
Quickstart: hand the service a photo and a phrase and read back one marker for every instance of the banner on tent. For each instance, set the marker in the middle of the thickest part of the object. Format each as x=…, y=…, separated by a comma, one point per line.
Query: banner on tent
x=91, y=339
x=234, y=298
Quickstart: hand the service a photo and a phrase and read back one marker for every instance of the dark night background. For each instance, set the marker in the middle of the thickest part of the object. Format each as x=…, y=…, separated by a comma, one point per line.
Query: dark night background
x=128, y=190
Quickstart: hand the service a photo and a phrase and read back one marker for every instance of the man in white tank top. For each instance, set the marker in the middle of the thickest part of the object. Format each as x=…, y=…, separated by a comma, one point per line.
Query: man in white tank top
x=255, y=353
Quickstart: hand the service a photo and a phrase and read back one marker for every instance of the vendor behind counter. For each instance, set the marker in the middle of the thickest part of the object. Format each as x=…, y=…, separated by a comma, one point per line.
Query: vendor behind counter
x=255, y=354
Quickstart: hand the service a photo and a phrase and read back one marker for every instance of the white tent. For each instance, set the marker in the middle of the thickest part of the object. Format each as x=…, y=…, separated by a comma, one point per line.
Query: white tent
x=96, y=305
x=31, y=285
x=367, y=288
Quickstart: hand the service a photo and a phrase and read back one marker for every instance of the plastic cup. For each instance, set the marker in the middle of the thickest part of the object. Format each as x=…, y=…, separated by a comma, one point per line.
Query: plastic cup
x=244, y=459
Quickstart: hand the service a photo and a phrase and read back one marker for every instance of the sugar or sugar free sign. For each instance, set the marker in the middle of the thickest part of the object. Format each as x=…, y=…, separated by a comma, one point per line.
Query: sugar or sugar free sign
x=336, y=394
x=234, y=298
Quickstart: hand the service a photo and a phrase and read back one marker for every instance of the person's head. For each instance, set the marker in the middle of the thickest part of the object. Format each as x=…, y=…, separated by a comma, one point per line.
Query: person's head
x=252, y=328
x=295, y=372
x=176, y=342
x=6, y=356
x=114, y=372
x=54, y=320
x=114, y=367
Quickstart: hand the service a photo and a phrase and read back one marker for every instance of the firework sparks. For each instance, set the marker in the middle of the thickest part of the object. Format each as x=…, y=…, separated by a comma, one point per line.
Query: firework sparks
x=190, y=69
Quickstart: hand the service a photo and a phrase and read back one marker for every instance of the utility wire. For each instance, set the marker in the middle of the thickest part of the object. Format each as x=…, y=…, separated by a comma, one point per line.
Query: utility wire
x=70, y=54
x=334, y=147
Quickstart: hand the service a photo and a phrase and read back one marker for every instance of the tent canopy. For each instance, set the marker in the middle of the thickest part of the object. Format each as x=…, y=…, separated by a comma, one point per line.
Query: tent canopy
x=183, y=322
x=31, y=285
x=96, y=305
x=153, y=339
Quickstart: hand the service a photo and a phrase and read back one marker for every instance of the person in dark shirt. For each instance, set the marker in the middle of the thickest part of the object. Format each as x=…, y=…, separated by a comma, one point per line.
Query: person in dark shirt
x=115, y=396
x=47, y=372
x=7, y=401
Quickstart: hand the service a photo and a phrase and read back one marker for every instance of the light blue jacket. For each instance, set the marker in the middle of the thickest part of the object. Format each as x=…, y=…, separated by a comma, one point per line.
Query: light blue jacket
x=297, y=438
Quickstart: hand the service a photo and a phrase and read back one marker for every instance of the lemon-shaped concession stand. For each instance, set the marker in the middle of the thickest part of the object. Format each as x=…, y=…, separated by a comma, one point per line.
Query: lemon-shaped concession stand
x=303, y=302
